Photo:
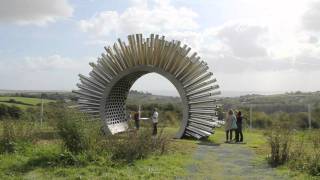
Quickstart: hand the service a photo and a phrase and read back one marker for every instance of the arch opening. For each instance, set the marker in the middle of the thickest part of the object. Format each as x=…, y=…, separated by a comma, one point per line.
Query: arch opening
x=114, y=111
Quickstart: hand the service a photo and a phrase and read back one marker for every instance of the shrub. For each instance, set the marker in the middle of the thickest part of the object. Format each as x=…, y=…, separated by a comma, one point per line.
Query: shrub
x=279, y=138
x=3, y=111
x=14, y=112
x=16, y=133
x=8, y=140
x=306, y=159
x=76, y=131
x=132, y=145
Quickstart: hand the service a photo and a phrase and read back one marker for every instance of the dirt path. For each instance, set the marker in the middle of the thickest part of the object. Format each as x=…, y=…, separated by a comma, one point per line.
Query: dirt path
x=228, y=161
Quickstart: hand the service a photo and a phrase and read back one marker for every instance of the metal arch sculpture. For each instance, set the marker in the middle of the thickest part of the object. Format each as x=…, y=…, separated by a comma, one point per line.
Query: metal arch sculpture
x=103, y=94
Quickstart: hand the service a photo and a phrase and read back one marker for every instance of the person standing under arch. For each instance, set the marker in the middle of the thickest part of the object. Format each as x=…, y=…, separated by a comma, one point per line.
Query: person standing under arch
x=136, y=118
x=155, y=115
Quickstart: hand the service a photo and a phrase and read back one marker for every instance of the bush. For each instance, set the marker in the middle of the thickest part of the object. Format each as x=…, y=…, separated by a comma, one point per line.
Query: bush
x=279, y=139
x=315, y=157
x=8, y=140
x=3, y=111
x=306, y=159
x=132, y=145
x=14, y=112
x=76, y=131
x=15, y=133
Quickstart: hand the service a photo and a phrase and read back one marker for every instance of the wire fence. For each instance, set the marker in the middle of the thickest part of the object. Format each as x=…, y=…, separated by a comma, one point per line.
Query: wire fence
x=262, y=115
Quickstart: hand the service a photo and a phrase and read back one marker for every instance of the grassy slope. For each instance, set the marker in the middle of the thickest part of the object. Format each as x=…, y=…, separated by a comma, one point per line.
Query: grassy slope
x=167, y=166
x=33, y=164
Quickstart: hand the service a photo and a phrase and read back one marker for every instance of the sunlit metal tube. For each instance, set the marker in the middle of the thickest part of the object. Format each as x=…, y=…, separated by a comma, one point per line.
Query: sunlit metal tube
x=86, y=94
x=202, y=127
x=200, y=91
x=203, y=116
x=202, y=121
x=199, y=80
x=200, y=85
x=84, y=78
x=198, y=131
x=197, y=74
x=192, y=134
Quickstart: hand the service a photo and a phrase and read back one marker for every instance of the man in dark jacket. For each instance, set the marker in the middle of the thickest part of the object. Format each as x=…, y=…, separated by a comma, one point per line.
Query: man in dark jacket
x=136, y=120
x=239, y=128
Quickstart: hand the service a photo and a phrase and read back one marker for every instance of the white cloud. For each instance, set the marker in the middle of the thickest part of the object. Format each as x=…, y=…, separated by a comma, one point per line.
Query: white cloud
x=143, y=17
x=265, y=44
x=311, y=18
x=243, y=40
x=39, y=12
x=43, y=73
x=54, y=62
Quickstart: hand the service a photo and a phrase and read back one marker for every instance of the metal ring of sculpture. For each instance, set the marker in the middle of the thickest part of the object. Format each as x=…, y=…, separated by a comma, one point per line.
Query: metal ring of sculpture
x=103, y=94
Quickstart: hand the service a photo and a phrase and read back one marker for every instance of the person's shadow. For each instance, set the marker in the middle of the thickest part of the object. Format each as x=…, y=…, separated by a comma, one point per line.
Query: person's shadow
x=206, y=142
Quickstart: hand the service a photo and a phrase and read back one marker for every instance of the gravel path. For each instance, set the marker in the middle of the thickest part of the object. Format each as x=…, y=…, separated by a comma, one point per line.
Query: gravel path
x=228, y=161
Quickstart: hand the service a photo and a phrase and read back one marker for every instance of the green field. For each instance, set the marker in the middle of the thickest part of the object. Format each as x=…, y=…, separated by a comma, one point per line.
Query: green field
x=29, y=102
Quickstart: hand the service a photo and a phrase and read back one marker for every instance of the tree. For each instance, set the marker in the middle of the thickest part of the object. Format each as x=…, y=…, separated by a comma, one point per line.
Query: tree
x=14, y=112
x=3, y=110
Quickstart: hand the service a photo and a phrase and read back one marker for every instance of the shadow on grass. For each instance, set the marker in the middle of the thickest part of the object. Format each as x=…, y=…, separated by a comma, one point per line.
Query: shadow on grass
x=207, y=142
x=49, y=161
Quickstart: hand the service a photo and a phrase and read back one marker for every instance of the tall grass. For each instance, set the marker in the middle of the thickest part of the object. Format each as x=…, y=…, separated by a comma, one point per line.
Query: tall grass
x=299, y=151
x=15, y=134
x=279, y=140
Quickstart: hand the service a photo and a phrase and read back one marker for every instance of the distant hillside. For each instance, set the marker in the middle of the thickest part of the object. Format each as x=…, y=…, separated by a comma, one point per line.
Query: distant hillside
x=139, y=97
x=288, y=102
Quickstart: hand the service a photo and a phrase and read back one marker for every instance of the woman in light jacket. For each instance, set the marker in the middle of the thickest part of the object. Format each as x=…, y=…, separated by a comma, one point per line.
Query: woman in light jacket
x=230, y=125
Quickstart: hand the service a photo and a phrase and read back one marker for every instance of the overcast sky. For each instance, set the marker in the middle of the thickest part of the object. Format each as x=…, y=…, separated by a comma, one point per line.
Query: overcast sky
x=250, y=45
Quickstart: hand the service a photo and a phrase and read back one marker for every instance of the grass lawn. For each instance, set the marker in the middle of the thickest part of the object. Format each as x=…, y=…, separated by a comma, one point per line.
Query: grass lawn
x=31, y=101
x=22, y=106
x=253, y=139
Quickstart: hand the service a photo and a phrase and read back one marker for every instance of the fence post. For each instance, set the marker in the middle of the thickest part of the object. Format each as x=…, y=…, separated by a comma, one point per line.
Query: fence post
x=139, y=112
x=309, y=115
x=41, y=113
x=250, y=116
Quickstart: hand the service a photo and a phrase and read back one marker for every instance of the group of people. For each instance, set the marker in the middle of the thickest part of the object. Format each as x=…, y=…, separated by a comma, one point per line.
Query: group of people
x=154, y=119
x=233, y=123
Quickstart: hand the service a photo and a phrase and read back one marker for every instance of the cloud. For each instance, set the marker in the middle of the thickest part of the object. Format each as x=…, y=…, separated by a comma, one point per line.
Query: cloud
x=310, y=18
x=53, y=62
x=53, y=72
x=142, y=17
x=38, y=12
x=243, y=40
x=265, y=52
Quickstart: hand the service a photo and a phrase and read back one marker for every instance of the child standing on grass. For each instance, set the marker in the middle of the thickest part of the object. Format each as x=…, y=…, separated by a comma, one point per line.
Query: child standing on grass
x=230, y=125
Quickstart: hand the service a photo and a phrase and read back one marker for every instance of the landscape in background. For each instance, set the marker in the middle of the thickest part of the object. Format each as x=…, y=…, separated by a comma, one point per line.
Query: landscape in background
x=44, y=136
x=263, y=54
x=265, y=108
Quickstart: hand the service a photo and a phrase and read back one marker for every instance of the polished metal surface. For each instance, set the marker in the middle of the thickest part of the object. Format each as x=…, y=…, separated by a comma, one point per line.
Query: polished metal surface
x=103, y=94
